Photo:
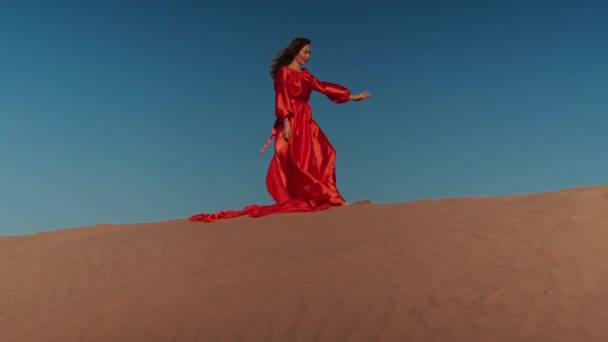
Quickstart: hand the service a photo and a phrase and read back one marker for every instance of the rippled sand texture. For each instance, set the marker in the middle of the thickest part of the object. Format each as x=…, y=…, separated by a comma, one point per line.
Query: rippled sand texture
x=516, y=268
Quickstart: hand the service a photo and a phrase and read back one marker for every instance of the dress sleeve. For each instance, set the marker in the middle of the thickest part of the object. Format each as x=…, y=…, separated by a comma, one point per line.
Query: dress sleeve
x=335, y=92
x=283, y=107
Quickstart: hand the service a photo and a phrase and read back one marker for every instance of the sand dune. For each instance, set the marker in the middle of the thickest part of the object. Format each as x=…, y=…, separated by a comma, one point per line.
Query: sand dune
x=516, y=268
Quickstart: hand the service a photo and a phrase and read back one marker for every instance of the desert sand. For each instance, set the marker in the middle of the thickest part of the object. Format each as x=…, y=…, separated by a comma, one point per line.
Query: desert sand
x=530, y=267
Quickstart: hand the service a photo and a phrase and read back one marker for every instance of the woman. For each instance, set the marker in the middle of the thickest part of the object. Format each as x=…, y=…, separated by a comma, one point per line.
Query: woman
x=301, y=175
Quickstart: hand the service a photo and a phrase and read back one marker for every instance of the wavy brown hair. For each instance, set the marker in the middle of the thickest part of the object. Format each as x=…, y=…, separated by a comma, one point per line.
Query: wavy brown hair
x=286, y=55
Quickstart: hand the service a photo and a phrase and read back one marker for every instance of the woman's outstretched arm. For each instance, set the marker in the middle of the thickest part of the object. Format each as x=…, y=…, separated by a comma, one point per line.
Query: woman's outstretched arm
x=335, y=92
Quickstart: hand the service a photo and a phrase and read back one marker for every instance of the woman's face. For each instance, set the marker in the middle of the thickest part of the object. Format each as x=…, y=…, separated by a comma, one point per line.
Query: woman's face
x=304, y=55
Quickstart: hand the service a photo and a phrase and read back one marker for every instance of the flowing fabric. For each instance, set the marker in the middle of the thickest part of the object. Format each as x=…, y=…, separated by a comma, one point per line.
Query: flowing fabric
x=301, y=176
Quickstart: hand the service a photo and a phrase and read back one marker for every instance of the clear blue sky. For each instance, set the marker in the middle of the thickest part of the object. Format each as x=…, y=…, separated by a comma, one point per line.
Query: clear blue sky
x=128, y=111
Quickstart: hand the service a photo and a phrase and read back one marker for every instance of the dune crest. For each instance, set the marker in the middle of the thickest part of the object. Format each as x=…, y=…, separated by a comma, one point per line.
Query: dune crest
x=530, y=267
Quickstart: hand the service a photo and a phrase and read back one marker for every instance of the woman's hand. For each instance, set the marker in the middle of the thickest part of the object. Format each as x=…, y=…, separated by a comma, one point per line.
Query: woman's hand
x=286, y=129
x=360, y=97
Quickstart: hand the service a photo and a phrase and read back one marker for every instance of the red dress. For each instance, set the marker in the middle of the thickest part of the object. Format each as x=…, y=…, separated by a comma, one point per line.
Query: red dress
x=301, y=175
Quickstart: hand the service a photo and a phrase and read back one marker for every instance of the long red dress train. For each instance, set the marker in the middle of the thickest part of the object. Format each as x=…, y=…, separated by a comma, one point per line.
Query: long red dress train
x=301, y=175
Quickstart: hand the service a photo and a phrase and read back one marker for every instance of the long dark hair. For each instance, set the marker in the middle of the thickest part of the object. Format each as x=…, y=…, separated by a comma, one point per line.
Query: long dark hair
x=286, y=55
